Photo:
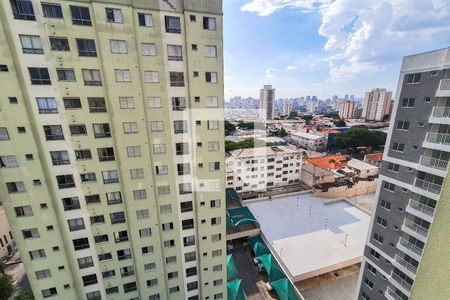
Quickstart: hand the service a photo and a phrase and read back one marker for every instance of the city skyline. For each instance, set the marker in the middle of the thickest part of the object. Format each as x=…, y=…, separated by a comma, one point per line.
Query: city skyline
x=325, y=47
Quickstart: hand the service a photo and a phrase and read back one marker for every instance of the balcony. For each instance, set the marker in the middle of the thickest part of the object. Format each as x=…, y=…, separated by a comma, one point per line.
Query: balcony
x=391, y=295
x=406, y=266
x=402, y=282
x=444, y=88
x=438, y=141
x=420, y=210
x=440, y=115
x=409, y=248
x=415, y=230
x=434, y=163
x=428, y=186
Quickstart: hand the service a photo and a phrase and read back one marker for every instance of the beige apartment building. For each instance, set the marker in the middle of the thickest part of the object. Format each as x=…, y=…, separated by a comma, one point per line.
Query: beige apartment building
x=377, y=104
x=111, y=142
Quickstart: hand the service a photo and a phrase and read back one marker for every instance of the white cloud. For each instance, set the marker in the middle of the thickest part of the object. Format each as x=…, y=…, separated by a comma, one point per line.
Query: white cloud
x=270, y=72
x=291, y=68
x=362, y=35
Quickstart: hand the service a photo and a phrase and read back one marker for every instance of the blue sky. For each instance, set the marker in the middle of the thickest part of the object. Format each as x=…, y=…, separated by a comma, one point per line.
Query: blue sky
x=326, y=47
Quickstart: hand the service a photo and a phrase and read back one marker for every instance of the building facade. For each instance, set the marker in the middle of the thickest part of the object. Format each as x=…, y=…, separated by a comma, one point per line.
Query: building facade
x=376, y=104
x=266, y=102
x=262, y=168
x=411, y=190
x=111, y=142
x=346, y=109
x=7, y=244
x=309, y=141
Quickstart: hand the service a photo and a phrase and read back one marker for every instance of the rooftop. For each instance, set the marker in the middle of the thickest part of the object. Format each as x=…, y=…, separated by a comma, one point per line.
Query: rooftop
x=300, y=238
x=263, y=151
x=307, y=135
x=329, y=162
x=375, y=156
x=360, y=165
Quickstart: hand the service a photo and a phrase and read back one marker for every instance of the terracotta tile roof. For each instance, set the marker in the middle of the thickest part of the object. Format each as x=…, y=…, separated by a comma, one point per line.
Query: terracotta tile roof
x=329, y=162
x=375, y=156
x=330, y=131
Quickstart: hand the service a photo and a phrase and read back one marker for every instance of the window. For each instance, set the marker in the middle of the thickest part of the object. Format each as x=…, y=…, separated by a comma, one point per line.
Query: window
x=378, y=238
x=427, y=99
x=91, y=77
x=96, y=220
x=214, y=203
x=142, y=214
x=217, y=282
x=147, y=250
x=169, y=243
x=165, y=209
x=167, y=226
x=185, y=188
x=213, y=146
x=13, y=100
x=72, y=103
x=151, y=76
x=187, y=224
x=413, y=78
x=145, y=232
x=46, y=105
x=372, y=269
x=137, y=173
x=186, y=206
x=178, y=103
x=114, y=15
x=126, y=102
x=31, y=44
x=172, y=275
x=89, y=279
x=43, y=274
x=80, y=15
x=148, y=49
x=150, y=266
x=216, y=253
x=79, y=244
x=173, y=24
x=8, y=161
x=189, y=240
x=209, y=23
x=65, y=181
x=86, y=47
x=75, y=224
x=212, y=101
x=134, y=151
x=393, y=167
x=156, y=126
x=213, y=124
x=180, y=127
x=176, y=78
x=4, y=136
x=420, y=124
x=113, y=198
x=214, y=166
x=39, y=76
x=59, y=158
x=97, y=105
x=152, y=282
x=385, y=204
x=59, y=44
x=77, y=129
x=368, y=283
x=389, y=186
x=71, y=203
x=162, y=170
x=403, y=125
x=52, y=11
x=105, y=154
x=159, y=148
x=216, y=221
x=123, y=75
x=210, y=51
x=382, y=222
x=30, y=233
x=184, y=169
x=127, y=271
x=154, y=102
x=53, y=132
x=66, y=74
x=3, y=68
x=21, y=129
x=217, y=268
x=49, y=292
x=111, y=290
x=190, y=256
x=117, y=217
x=106, y=256
x=130, y=127
x=399, y=147
x=174, y=289
x=194, y=47
x=23, y=211
x=191, y=271
x=83, y=154
x=211, y=77
x=174, y=52
x=22, y=10
x=101, y=130
x=110, y=176
x=37, y=254
x=145, y=20
x=408, y=102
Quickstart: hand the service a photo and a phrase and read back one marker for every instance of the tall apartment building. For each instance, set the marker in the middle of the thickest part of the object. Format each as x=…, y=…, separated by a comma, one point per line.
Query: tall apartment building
x=346, y=109
x=111, y=144
x=412, y=208
x=376, y=104
x=266, y=102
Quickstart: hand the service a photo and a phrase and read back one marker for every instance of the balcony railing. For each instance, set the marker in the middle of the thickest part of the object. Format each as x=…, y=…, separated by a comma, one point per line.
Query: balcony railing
x=438, y=138
x=392, y=295
x=406, y=285
x=428, y=210
x=434, y=163
x=441, y=112
x=428, y=186
x=407, y=265
x=413, y=248
x=416, y=228
x=444, y=85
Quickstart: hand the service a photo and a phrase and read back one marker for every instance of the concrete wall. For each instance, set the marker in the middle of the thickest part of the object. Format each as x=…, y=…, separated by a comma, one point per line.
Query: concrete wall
x=361, y=188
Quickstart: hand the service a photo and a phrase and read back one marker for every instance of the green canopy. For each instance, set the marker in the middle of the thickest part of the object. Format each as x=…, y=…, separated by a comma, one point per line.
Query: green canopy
x=254, y=239
x=234, y=290
x=240, y=215
x=232, y=272
x=272, y=269
x=260, y=249
x=284, y=289
x=231, y=195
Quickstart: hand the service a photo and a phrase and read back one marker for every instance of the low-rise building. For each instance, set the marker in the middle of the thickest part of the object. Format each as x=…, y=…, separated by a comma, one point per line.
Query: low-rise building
x=262, y=168
x=374, y=159
x=309, y=141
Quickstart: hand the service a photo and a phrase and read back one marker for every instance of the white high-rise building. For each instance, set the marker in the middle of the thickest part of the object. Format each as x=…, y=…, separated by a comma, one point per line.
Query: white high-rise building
x=346, y=109
x=267, y=98
x=376, y=104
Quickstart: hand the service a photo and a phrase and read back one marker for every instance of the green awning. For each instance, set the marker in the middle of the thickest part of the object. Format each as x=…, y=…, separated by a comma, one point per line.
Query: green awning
x=284, y=289
x=260, y=249
x=231, y=195
x=234, y=290
x=272, y=269
x=232, y=272
x=255, y=239
x=240, y=215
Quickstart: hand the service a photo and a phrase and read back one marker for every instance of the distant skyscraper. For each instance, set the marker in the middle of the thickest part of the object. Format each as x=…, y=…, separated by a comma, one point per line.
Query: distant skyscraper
x=266, y=98
x=287, y=108
x=346, y=109
x=376, y=104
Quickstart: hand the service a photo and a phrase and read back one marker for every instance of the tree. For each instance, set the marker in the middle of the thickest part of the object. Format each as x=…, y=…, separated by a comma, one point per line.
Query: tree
x=229, y=128
x=360, y=137
x=248, y=143
x=307, y=119
x=340, y=123
x=281, y=132
x=246, y=125
x=293, y=115
x=26, y=294
x=6, y=287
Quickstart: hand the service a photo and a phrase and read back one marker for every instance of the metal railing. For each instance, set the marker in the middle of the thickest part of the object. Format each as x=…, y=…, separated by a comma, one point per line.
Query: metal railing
x=444, y=85
x=435, y=163
x=416, y=228
x=428, y=186
x=441, y=112
x=407, y=265
x=438, y=138
x=413, y=248
x=391, y=293
x=401, y=281
x=428, y=210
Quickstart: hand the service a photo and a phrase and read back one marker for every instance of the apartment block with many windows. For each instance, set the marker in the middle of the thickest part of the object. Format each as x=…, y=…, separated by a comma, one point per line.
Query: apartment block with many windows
x=108, y=111
x=412, y=197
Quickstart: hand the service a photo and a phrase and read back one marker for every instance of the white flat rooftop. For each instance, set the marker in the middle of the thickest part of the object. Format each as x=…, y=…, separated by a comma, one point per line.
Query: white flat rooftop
x=302, y=243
